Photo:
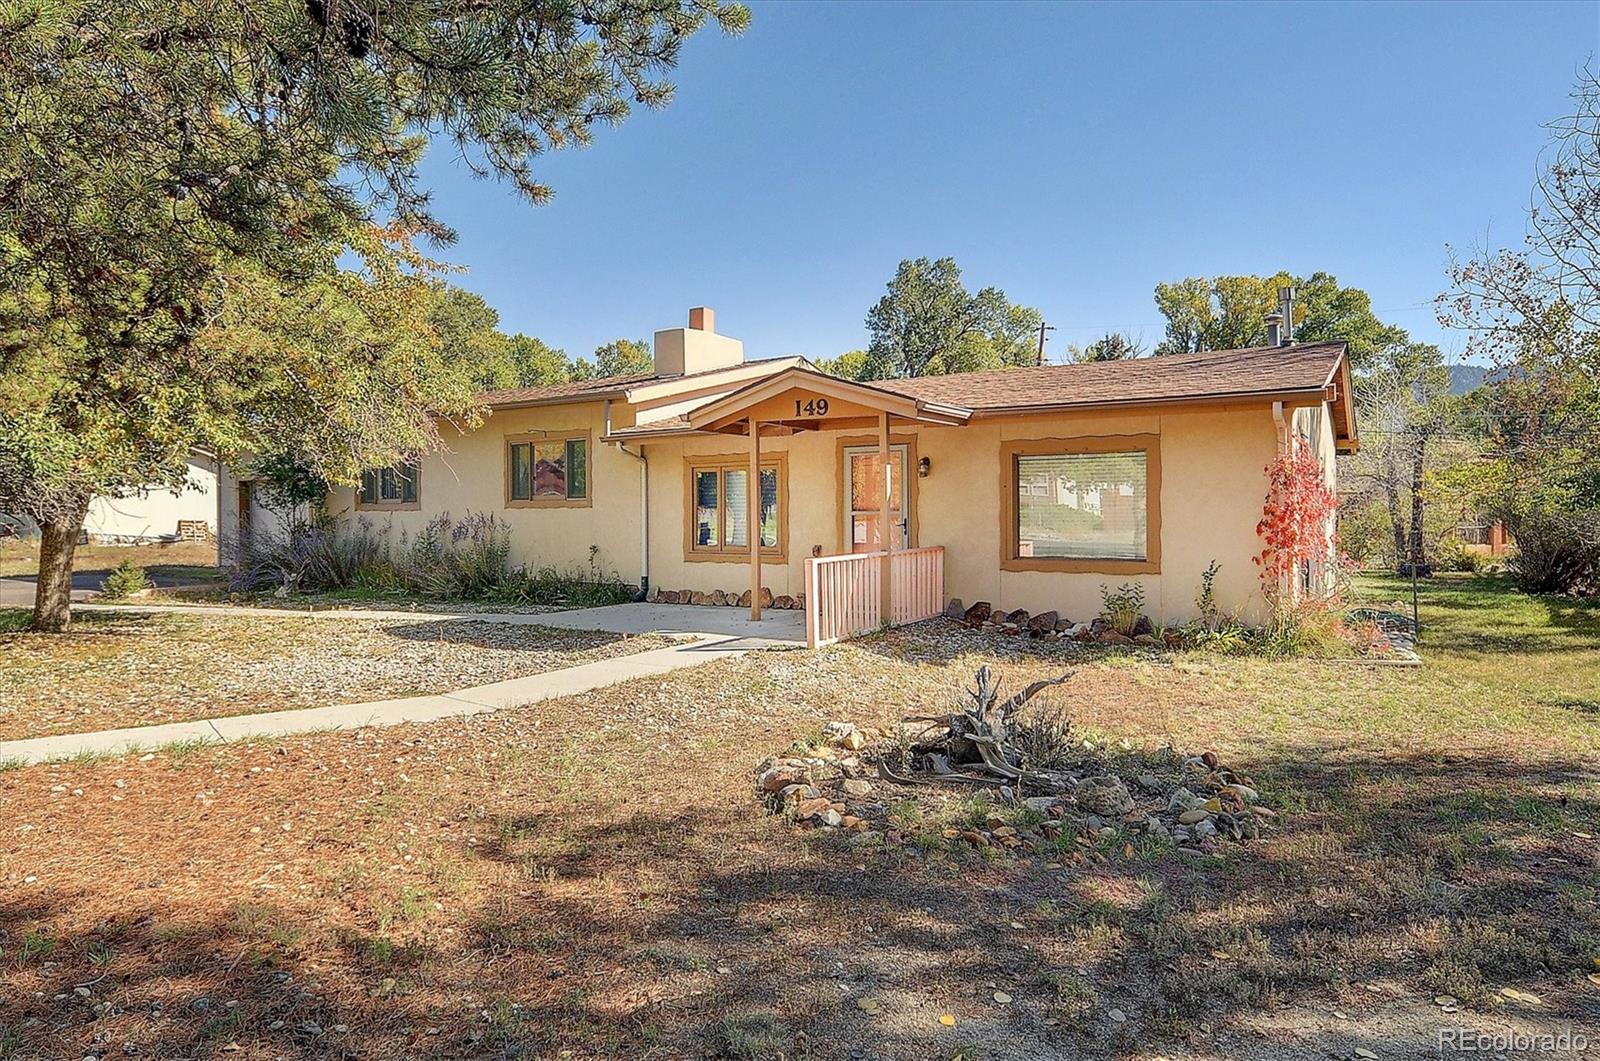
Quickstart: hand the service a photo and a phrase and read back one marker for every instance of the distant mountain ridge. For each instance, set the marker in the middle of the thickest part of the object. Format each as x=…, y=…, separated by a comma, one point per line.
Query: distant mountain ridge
x=1464, y=378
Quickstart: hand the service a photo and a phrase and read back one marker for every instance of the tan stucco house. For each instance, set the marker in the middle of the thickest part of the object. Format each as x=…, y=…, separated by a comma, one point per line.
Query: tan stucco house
x=1028, y=487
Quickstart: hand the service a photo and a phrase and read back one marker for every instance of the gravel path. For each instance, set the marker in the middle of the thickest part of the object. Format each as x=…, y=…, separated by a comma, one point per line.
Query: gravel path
x=116, y=670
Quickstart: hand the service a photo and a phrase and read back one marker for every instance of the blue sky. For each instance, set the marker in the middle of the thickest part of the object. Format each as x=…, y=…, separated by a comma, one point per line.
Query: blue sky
x=1072, y=155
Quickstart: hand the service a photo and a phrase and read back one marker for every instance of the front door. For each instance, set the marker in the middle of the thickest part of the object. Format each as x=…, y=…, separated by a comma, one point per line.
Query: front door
x=862, y=474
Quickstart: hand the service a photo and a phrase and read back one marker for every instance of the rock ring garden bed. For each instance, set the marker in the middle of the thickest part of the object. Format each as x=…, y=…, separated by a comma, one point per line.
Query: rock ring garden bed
x=893, y=786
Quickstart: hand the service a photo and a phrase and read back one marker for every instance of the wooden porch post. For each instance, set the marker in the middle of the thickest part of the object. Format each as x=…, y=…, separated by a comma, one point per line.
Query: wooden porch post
x=753, y=522
x=885, y=532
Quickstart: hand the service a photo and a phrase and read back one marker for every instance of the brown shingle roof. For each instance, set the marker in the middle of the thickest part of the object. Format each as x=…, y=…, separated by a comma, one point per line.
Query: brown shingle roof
x=554, y=392
x=670, y=425
x=604, y=387
x=1256, y=370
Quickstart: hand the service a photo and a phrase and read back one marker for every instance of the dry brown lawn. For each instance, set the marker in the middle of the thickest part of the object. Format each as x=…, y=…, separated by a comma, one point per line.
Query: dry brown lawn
x=594, y=878
x=116, y=669
x=185, y=560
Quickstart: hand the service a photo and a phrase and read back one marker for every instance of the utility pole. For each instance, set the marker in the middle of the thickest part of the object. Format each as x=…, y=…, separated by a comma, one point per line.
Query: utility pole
x=1043, y=327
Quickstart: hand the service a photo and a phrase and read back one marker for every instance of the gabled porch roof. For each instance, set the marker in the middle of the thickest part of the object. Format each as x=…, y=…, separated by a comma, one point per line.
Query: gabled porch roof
x=803, y=399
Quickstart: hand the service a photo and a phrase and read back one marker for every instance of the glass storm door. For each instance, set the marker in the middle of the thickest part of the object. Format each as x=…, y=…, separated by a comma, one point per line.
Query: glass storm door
x=862, y=471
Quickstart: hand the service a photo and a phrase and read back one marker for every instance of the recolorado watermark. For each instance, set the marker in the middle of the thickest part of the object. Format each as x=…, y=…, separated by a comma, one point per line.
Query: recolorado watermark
x=1473, y=1041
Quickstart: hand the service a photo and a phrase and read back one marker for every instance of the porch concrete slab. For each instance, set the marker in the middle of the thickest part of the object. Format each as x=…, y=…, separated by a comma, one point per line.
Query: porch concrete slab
x=516, y=692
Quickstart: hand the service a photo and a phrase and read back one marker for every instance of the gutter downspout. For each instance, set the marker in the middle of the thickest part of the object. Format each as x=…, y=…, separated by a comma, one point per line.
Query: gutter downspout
x=644, y=509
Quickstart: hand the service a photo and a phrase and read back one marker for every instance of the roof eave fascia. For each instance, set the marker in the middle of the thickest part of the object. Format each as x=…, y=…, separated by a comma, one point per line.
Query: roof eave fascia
x=651, y=436
x=569, y=399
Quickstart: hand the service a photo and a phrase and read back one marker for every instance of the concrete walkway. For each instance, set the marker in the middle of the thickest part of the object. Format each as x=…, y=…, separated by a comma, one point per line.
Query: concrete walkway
x=516, y=692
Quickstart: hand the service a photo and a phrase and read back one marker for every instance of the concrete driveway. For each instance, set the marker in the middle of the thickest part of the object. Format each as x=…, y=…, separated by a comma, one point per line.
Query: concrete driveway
x=17, y=591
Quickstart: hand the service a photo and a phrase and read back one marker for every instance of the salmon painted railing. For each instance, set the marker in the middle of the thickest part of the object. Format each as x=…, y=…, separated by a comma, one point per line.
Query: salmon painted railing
x=844, y=594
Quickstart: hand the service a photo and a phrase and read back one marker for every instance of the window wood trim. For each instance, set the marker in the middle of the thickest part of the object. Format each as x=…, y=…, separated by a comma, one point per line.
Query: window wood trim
x=533, y=438
x=389, y=506
x=719, y=463
x=842, y=495
x=1149, y=444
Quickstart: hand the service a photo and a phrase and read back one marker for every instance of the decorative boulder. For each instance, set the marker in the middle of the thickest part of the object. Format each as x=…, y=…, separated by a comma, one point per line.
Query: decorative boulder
x=1099, y=625
x=1105, y=796
x=717, y=597
x=744, y=599
x=1144, y=626
x=1111, y=637
x=1081, y=632
x=1065, y=626
x=697, y=597
x=766, y=597
x=955, y=609
x=783, y=602
x=667, y=596
x=800, y=602
x=1042, y=624
x=1146, y=640
x=1018, y=617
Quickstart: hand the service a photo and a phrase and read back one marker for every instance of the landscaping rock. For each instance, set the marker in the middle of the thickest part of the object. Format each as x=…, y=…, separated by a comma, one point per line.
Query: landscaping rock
x=1064, y=626
x=778, y=778
x=1081, y=632
x=1111, y=637
x=1182, y=799
x=766, y=597
x=1105, y=796
x=1018, y=618
x=1244, y=792
x=1143, y=626
x=699, y=598
x=796, y=792
x=955, y=609
x=979, y=613
x=783, y=602
x=744, y=599
x=718, y=598
x=1043, y=623
x=844, y=735
x=1146, y=641
x=1099, y=625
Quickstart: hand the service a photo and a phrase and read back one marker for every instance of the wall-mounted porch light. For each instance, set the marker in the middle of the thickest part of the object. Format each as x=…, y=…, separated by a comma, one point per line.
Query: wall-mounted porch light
x=923, y=466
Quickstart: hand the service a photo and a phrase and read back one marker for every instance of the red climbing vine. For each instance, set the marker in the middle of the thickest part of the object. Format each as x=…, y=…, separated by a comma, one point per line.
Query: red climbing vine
x=1295, y=523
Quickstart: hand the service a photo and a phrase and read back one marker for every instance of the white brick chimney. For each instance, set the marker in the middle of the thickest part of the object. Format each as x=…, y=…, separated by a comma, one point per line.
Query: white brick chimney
x=697, y=348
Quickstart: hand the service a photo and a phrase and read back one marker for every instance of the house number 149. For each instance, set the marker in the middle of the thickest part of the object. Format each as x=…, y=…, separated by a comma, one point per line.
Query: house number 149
x=814, y=407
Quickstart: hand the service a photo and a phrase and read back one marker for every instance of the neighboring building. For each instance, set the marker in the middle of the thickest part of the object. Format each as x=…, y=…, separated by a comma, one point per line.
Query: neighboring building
x=1041, y=484
x=1482, y=536
x=154, y=514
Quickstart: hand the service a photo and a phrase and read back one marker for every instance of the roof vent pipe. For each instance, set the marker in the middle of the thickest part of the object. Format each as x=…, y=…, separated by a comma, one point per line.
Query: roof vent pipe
x=1274, y=329
x=1286, y=309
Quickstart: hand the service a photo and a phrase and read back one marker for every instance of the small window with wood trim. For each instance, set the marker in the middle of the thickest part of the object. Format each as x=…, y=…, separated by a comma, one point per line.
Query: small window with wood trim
x=547, y=471
x=395, y=487
x=719, y=509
